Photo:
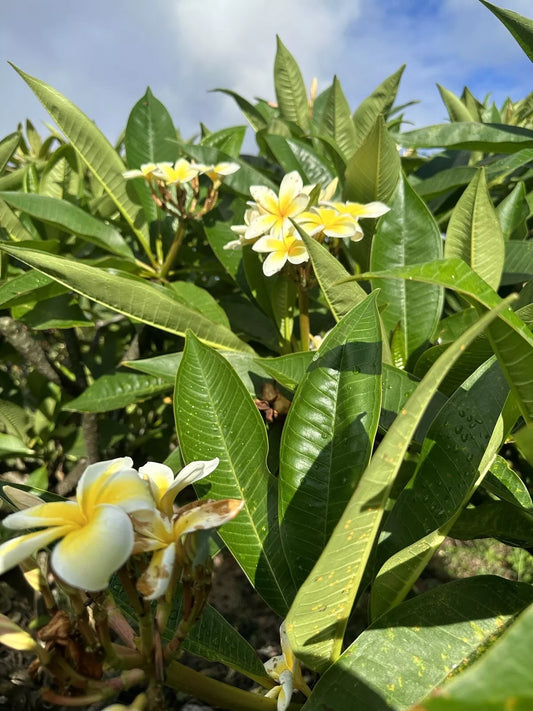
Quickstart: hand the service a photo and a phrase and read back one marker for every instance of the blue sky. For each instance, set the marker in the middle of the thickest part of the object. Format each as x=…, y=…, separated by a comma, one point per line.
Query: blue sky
x=103, y=54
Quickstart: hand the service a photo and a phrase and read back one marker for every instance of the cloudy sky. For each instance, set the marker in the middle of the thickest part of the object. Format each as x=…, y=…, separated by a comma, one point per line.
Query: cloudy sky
x=102, y=54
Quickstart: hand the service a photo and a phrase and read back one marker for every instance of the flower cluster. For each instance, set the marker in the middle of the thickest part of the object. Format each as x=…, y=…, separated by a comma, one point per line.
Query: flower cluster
x=117, y=512
x=182, y=171
x=270, y=220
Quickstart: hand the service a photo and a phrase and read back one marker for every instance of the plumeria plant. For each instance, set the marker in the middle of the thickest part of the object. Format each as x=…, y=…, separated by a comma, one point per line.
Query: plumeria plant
x=330, y=341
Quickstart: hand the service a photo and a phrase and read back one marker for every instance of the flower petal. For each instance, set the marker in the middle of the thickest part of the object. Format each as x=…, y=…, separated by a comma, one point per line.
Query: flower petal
x=260, y=225
x=15, y=637
x=116, y=484
x=264, y=197
x=267, y=243
x=54, y=513
x=188, y=475
x=274, y=263
x=99, y=471
x=86, y=558
x=154, y=581
x=159, y=478
x=208, y=514
x=291, y=186
x=16, y=550
x=284, y=698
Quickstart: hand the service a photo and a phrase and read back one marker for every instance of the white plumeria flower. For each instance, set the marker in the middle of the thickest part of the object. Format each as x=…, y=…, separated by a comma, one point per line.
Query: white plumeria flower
x=220, y=170
x=289, y=248
x=163, y=536
x=276, y=211
x=165, y=487
x=328, y=221
x=250, y=215
x=177, y=173
x=95, y=530
x=146, y=171
x=285, y=669
x=357, y=210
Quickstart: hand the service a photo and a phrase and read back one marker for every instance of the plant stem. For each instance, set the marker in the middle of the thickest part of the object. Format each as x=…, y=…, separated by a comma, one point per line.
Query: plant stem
x=303, y=304
x=174, y=248
x=218, y=693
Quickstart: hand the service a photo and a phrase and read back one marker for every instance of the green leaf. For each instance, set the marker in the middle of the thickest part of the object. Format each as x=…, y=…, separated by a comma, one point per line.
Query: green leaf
x=510, y=337
x=444, y=181
x=373, y=170
x=194, y=297
x=468, y=135
x=216, y=417
x=328, y=435
x=246, y=366
x=329, y=271
x=148, y=132
x=474, y=233
x=290, y=89
x=28, y=287
x=412, y=649
x=12, y=446
x=457, y=111
x=518, y=265
x=289, y=369
x=8, y=146
x=460, y=445
x=292, y=154
x=505, y=483
x=134, y=298
x=254, y=117
x=319, y=614
x=72, y=219
x=94, y=148
x=513, y=212
x=62, y=176
x=15, y=420
x=379, y=102
x=228, y=140
x=408, y=234
x=112, y=392
x=56, y=312
x=11, y=225
x=337, y=121
x=520, y=27
x=495, y=519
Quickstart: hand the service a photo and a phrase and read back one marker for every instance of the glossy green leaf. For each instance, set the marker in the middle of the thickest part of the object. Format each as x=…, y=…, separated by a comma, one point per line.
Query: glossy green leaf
x=454, y=325
x=495, y=519
x=319, y=614
x=12, y=446
x=374, y=169
x=460, y=445
x=216, y=417
x=134, y=298
x=457, y=111
x=510, y=337
x=520, y=27
x=337, y=121
x=111, y=392
x=62, y=176
x=289, y=369
x=474, y=233
x=290, y=89
x=245, y=365
x=94, y=148
x=328, y=435
x=379, y=102
x=148, y=132
x=68, y=217
x=504, y=482
x=8, y=146
x=513, y=211
x=293, y=154
x=444, y=181
x=26, y=288
x=408, y=234
x=412, y=649
x=469, y=136
x=14, y=419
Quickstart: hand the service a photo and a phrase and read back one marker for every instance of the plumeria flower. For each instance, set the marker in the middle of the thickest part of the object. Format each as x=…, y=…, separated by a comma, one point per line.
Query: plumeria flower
x=288, y=248
x=165, y=487
x=163, y=536
x=250, y=215
x=177, y=173
x=146, y=171
x=95, y=530
x=357, y=210
x=285, y=669
x=219, y=171
x=276, y=211
x=328, y=221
